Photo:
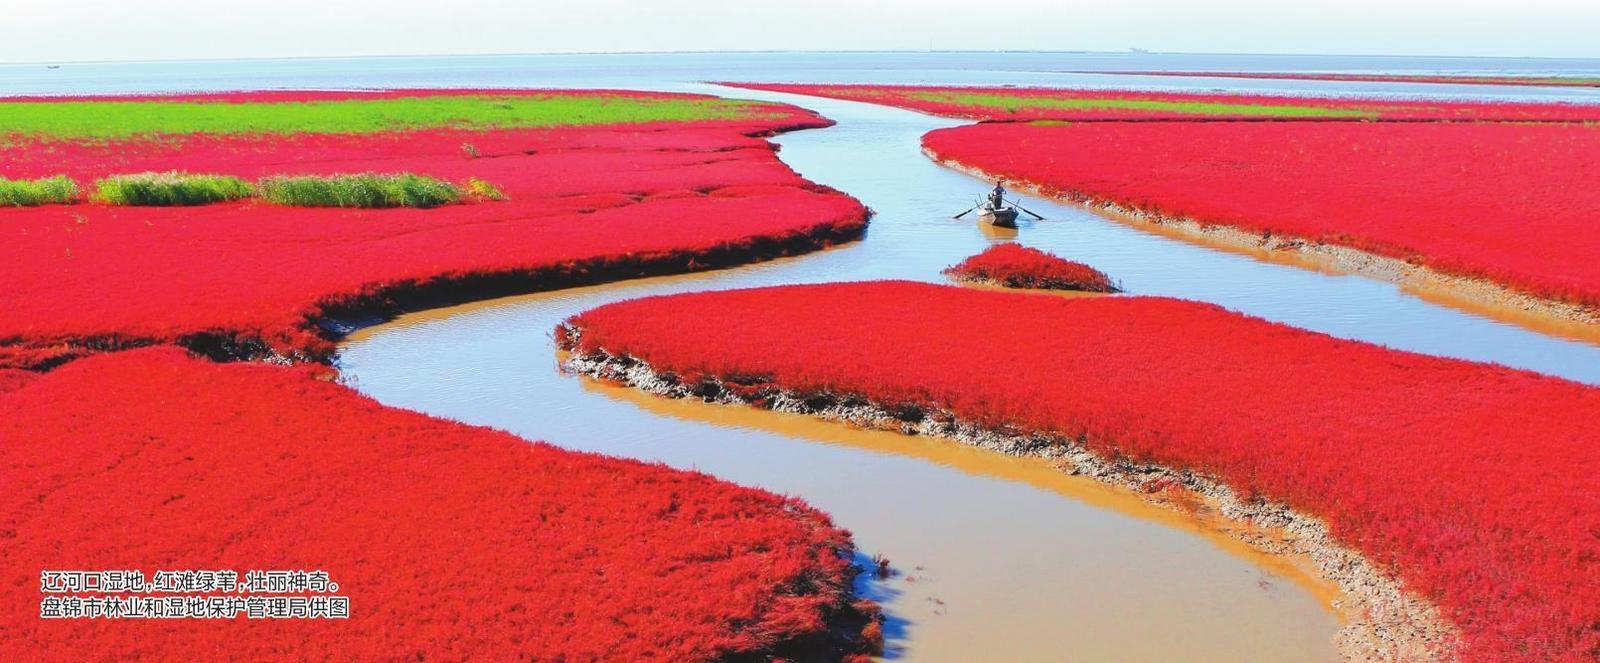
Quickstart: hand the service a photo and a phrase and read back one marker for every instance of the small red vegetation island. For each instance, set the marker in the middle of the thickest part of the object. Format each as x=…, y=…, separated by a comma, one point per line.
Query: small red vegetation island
x=1472, y=484
x=261, y=226
x=1513, y=204
x=451, y=542
x=1087, y=105
x=1013, y=265
x=1444, y=79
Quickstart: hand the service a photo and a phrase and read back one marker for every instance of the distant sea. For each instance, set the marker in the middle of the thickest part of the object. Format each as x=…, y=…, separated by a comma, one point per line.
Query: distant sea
x=688, y=71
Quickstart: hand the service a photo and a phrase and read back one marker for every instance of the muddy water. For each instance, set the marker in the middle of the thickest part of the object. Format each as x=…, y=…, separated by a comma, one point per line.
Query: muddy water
x=997, y=556
x=1000, y=558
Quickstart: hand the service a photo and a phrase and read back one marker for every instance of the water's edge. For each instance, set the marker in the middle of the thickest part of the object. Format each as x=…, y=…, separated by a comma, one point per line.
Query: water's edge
x=1382, y=621
x=1476, y=295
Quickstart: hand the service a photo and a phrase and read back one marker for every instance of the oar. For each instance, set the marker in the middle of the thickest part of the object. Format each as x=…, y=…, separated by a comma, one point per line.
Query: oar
x=969, y=211
x=1036, y=216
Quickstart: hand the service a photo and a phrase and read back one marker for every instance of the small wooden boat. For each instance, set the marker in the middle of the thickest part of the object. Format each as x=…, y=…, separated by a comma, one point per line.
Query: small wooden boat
x=1004, y=216
x=994, y=212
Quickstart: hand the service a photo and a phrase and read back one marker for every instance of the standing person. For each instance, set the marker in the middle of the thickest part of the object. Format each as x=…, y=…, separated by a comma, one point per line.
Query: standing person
x=997, y=196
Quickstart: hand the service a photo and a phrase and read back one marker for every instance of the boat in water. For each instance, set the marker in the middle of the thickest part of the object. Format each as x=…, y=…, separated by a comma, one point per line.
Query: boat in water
x=1004, y=216
x=994, y=210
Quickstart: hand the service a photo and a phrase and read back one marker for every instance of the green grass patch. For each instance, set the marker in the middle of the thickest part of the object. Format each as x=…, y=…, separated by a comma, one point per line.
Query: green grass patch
x=91, y=120
x=170, y=189
x=477, y=189
x=1014, y=103
x=58, y=190
x=362, y=190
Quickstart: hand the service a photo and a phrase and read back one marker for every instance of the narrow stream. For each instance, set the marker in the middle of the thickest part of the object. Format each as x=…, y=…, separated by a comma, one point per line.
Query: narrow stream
x=1000, y=558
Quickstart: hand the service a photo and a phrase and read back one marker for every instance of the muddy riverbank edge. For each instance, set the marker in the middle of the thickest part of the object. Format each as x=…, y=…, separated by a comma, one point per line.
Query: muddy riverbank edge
x=1045, y=285
x=333, y=317
x=1381, y=620
x=1475, y=294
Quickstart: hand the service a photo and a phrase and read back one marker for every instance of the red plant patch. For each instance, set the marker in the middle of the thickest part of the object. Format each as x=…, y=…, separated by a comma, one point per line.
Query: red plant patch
x=13, y=378
x=1476, y=485
x=1448, y=79
x=451, y=542
x=1026, y=103
x=1016, y=266
x=1512, y=203
x=586, y=203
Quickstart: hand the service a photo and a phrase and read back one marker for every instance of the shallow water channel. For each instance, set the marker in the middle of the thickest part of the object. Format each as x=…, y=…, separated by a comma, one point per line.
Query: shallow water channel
x=998, y=558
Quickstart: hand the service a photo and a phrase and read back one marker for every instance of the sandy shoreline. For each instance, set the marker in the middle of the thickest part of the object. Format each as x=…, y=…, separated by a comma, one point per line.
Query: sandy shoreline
x=1472, y=294
x=1381, y=620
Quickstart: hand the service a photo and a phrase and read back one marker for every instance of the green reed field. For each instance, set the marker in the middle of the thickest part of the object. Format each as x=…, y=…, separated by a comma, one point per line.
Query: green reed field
x=111, y=119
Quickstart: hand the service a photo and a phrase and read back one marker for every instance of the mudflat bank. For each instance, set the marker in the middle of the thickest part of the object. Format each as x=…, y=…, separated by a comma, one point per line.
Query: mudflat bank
x=1386, y=453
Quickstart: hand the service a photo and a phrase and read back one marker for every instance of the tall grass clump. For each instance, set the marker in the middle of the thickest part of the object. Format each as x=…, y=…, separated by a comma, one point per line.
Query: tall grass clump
x=359, y=190
x=170, y=189
x=479, y=190
x=58, y=190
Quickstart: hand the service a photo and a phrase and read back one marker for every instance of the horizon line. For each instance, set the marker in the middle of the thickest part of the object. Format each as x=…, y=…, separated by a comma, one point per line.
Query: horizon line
x=1128, y=52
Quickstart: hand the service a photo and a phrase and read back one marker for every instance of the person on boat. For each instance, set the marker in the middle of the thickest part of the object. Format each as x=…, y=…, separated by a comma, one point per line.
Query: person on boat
x=997, y=196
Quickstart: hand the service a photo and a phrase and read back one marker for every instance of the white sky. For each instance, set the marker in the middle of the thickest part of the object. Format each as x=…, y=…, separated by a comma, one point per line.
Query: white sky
x=67, y=30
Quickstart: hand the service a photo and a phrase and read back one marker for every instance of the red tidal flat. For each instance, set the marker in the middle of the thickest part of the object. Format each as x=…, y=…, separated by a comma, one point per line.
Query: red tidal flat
x=1016, y=266
x=586, y=203
x=246, y=96
x=1019, y=103
x=1513, y=203
x=1478, y=486
x=1449, y=79
x=452, y=542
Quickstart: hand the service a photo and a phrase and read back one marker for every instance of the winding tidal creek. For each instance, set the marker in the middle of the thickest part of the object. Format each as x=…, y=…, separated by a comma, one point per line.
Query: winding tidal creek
x=994, y=557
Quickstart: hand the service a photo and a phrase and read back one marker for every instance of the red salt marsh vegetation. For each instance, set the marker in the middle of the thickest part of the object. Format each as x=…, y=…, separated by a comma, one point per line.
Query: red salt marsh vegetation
x=1028, y=103
x=1515, y=204
x=1013, y=265
x=1487, y=204
x=1473, y=484
x=1447, y=79
x=451, y=542
x=599, y=185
